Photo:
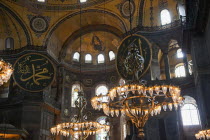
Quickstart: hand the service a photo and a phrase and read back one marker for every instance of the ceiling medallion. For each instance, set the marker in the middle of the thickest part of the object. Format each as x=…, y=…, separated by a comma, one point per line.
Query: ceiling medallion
x=39, y=24
x=135, y=99
x=124, y=9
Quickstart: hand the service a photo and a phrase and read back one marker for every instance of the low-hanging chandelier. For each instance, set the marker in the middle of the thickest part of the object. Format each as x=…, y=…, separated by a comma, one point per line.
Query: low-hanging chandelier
x=203, y=134
x=6, y=71
x=138, y=102
x=79, y=127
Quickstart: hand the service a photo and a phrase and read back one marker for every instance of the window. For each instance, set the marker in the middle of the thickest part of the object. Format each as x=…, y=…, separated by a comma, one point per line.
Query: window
x=181, y=9
x=122, y=82
x=83, y=1
x=165, y=17
x=88, y=58
x=180, y=70
x=103, y=134
x=190, y=115
x=190, y=65
x=9, y=44
x=41, y=0
x=179, y=53
x=101, y=58
x=74, y=94
x=102, y=90
x=111, y=55
x=76, y=56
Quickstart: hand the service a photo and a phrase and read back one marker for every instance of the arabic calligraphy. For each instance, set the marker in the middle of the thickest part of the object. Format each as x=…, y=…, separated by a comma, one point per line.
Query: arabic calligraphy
x=134, y=57
x=33, y=72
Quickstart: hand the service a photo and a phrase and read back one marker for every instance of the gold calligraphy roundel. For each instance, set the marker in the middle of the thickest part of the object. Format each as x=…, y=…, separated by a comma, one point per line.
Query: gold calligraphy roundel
x=33, y=72
x=134, y=57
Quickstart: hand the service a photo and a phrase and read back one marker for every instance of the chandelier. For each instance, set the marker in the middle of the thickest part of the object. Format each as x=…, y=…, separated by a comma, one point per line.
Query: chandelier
x=5, y=72
x=79, y=127
x=204, y=134
x=135, y=99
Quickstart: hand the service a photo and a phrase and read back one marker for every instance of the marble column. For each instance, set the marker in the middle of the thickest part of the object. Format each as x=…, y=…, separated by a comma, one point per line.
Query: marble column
x=185, y=61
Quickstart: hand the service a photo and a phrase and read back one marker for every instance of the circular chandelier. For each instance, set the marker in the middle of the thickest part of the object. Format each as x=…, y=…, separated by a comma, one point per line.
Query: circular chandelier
x=203, y=134
x=5, y=72
x=138, y=102
x=79, y=127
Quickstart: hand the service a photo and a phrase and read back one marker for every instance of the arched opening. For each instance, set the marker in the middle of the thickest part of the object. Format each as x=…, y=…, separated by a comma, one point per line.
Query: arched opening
x=165, y=17
x=101, y=58
x=76, y=56
x=111, y=55
x=88, y=58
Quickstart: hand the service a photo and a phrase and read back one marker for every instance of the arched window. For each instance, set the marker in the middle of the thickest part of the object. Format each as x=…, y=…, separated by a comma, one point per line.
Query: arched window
x=76, y=56
x=165, y=17
x=189, y=112
x=180, y=70
x=121, y=82
x=88, y=58
x=101, y=58
x=9, y=44
x=74, y=94
x=179, y=53
x=102, y=90
x=181, y=9
x=111, y=55
x=103, y=135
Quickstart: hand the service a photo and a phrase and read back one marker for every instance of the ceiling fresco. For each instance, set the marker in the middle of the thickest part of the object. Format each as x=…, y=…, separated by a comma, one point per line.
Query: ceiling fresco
x=93, y=43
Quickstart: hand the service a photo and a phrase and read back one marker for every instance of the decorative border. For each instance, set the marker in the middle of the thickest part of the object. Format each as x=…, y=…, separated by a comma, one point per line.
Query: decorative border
x=33, y=18
x=44, y=57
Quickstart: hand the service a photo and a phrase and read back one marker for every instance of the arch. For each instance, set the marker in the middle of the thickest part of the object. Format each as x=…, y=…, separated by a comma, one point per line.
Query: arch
x=165, y=17
x=77, y=13
x=100, y=58
x=24, y=27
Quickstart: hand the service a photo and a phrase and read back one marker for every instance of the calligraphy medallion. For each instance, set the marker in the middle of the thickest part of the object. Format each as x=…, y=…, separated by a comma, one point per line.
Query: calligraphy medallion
x=33, y=72
x=134, y=57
